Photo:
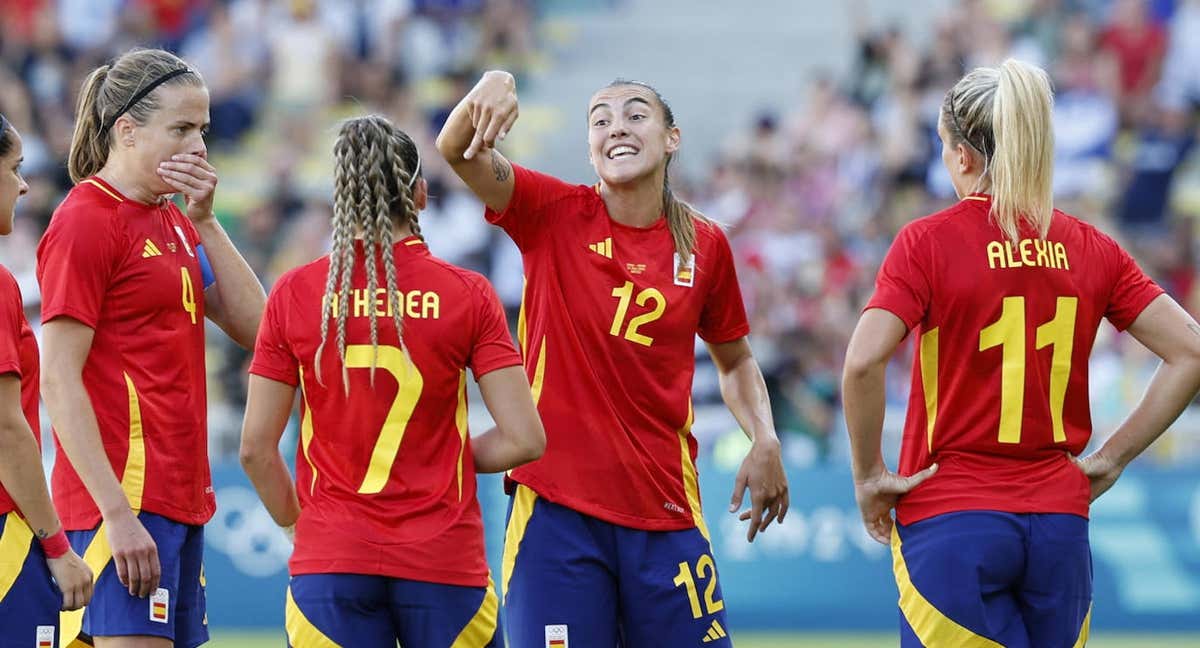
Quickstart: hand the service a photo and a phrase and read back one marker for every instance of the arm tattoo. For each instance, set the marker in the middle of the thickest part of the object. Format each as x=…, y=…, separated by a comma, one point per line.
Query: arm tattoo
x=42, y=535
x=500, y=167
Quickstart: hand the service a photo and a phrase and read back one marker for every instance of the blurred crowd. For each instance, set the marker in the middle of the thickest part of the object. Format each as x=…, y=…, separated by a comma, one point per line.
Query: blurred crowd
x=812, y=191
x=815, y=191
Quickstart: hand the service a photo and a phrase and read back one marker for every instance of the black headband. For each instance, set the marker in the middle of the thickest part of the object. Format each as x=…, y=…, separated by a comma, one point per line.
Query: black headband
x=141, y=94
x=966, y=138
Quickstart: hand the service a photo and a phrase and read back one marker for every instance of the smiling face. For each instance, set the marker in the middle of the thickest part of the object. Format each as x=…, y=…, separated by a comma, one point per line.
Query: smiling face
x=629, y=137
x=12, y=184
x=177, y=126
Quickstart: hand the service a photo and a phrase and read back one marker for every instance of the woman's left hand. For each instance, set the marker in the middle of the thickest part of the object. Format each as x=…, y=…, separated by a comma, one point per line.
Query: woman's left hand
x=192, y=176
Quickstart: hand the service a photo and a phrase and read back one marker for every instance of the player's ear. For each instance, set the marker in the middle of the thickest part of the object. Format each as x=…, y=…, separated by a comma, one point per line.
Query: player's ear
x=965, y=160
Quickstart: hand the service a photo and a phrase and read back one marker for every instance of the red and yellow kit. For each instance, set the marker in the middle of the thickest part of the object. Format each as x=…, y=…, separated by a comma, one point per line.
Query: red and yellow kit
x=131, y=272
x=19, y=356
x=384, y=472
x=1003, y=332
x=608, y=330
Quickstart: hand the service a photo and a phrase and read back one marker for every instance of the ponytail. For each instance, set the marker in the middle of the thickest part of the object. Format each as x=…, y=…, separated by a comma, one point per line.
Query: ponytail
x=1022, y=168
x=89, y=149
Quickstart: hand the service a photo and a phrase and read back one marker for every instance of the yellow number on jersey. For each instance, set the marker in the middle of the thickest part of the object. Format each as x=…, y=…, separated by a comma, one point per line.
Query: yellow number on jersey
x=705, y=568
x=189, y=293
x=1008, y=333
x=409, y=385
x=625, y=293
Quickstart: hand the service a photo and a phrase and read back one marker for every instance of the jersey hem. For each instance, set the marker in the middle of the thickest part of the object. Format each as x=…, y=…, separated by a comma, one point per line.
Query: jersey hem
x=606, y=515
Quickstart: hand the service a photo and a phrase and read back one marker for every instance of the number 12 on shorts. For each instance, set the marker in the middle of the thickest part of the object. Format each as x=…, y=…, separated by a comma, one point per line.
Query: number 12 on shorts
x=705, y=569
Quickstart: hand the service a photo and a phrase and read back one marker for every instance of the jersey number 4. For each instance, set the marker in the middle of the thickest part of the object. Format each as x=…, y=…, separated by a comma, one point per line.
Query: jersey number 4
x=1008, y=333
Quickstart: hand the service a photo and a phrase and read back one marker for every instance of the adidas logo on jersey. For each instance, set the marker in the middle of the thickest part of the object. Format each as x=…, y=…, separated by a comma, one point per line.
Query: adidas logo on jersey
x=150, y=250
x=715, y=631
x=603, y=248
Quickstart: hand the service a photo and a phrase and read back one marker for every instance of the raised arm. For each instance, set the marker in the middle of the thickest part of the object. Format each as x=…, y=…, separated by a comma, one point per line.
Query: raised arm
x=467, y=141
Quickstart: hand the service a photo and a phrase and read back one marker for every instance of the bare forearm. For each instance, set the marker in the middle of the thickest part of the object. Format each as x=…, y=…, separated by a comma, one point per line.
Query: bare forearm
x=269, y=474
x=240, y=293
x=863, y=405
x=745, y=394
x=74, y=421
x=495, y=451
x=22, y=476
x=1173, y=386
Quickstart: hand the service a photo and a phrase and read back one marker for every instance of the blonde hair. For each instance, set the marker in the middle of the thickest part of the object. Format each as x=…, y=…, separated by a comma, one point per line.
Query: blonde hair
x=111, y=91
x=377, y=167
x=1005, y=114
x=681, y=217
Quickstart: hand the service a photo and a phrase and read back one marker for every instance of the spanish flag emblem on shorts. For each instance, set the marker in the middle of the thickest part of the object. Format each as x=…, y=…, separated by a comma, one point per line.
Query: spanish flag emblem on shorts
x=45, y=636
x=158, y=605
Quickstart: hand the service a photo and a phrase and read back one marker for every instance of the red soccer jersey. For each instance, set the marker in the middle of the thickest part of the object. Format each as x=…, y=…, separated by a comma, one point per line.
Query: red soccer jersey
x=385, y=475
x=1003, y=335
x=18, y=355
x=608, y=330
x=130, y=272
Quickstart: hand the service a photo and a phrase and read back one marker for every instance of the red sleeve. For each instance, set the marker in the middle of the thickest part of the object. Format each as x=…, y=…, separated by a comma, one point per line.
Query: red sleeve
x=724, y=316
x=76, y=261
x=273, y=357
x=10, y=325
x=525, y=216
x=1132, y=290
x=902, y=286
x=493, y=347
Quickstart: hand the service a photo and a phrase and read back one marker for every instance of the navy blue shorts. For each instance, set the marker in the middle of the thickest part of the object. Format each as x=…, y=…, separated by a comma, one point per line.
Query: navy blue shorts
x=573, y=581
x=176, y=611
x=987, y=579
x=29, y=599
x=376, y=611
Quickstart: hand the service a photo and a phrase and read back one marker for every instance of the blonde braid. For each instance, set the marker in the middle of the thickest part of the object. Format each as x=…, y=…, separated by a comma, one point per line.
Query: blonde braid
x=374, y=192
x=388, y=244
x=353, y=198
x=342, y=237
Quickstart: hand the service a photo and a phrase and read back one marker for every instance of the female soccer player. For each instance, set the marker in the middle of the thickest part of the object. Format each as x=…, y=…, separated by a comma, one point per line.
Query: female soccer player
x=1004, y=295
x=29, y=599
x=606, y=537
x=126, y=282
x=378, y=336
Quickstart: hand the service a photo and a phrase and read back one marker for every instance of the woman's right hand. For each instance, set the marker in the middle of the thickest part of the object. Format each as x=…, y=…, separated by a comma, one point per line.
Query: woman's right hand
x=74, y=579
x=134, y=554
x=492, y=105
